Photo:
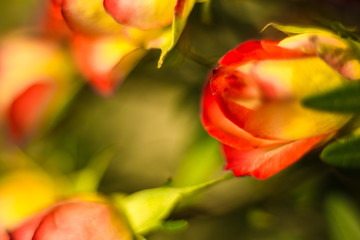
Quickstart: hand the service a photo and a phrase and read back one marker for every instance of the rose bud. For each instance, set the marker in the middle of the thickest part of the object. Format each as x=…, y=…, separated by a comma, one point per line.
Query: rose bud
x=34, y=84
x=252, y=101
x=74, y=220
x=105, y=51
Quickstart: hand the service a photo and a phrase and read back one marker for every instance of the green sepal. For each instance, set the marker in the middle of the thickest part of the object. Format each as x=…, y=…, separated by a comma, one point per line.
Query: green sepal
x=173, y=34
x=345, y=99
x=344, y=152
x=339, y=28
x=147, y=210
x=295, y=29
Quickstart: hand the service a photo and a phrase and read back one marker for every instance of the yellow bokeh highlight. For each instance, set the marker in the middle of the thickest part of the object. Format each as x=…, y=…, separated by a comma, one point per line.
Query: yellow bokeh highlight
x=23, y=193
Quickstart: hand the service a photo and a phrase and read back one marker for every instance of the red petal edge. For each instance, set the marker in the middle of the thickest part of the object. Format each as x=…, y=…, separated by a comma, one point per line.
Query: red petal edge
x=258, y=50
x=265, y=162
x=26, y=110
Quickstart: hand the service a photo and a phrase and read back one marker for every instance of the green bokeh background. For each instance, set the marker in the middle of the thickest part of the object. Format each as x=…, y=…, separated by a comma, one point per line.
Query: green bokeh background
x=153, y=125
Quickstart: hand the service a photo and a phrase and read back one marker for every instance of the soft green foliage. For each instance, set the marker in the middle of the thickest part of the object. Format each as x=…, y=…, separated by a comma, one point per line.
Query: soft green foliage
x=343, y=218
x=199, y=164
x=88, y=178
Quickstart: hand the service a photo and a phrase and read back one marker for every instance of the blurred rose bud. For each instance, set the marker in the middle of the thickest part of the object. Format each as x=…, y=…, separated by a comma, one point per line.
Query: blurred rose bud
x=104, y=50
x=74, y=220
x=35, y=84
x=251, y=103
x=142, y=14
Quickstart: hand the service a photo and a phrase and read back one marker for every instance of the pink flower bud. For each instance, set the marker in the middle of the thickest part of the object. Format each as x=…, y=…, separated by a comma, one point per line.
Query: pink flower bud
x=74, y=220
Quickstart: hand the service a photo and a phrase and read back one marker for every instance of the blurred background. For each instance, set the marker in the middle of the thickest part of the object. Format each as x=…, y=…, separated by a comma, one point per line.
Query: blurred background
x=150, y=132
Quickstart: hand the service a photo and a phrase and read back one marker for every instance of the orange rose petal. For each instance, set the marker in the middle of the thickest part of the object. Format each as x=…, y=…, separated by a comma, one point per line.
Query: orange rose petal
x=265, y=162
x=105, y=61
x=226, y=131
x=27, y=109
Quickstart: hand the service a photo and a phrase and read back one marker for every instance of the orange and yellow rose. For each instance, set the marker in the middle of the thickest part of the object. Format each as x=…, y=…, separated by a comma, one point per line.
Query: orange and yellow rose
x=252, y=101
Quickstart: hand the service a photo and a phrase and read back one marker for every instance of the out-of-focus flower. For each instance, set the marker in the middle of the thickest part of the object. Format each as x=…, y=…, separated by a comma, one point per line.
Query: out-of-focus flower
x=166, y=18
x=52, y=22
x=34, y=83
x=119, y=46
x=23, y=193
x=105, y=51
x=251, y=102
x=74, y=220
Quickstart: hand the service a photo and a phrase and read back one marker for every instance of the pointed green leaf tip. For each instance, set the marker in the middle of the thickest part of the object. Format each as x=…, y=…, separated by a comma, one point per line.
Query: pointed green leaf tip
x=345, y=99
x=89, y=178
x=147, y=210
x=344, y=152
x=288, y=29
x=172, y=36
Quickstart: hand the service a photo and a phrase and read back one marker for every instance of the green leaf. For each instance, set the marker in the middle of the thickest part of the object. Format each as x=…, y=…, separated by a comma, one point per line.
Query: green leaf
x=174, y=225
x=344, y=152
x=199, y=164
x=170, y=37
x=88, y=178
x=206, y=12
x=338, y=28
x=345, y=99
x=355, y=47
x=343, y=218
x=295, y=29
x=178, y=25
x=146, y=210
